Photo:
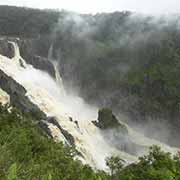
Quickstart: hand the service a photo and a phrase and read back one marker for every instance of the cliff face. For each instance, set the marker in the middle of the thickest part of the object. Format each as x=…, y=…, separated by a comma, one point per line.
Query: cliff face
x=28, y=50
x=6, y=49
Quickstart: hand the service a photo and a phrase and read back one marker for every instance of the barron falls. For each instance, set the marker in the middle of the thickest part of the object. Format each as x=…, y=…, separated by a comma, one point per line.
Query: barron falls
x=66, y=117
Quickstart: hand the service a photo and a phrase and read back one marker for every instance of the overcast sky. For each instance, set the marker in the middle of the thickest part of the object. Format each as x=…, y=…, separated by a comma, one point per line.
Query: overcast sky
x=94, y=6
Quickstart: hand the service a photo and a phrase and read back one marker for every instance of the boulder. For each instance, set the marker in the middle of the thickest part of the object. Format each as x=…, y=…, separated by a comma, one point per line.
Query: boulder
x=107, y=120
x=116, y=133
x=66, y=134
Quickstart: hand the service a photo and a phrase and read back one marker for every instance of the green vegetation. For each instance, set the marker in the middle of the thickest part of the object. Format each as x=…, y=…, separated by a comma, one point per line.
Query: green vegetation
x=157, y=165
x=26, y=22
x=27, y=154
x=115, y=164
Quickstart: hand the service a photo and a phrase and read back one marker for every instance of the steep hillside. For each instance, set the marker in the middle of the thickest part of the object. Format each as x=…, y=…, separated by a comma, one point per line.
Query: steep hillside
x=26, y=153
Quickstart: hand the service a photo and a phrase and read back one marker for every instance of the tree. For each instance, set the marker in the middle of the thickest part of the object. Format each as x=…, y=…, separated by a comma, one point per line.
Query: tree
x=115, y=164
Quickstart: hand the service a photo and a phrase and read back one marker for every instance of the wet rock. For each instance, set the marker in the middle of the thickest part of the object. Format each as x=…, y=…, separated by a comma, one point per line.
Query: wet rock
x=28, y=52
x=66, y=134
x=71, y=119
x=41, y=63
x=77, y=124
x=18, y=97
x=6, y=49
x=45, y=127
x=107, y=120
x=116, y=133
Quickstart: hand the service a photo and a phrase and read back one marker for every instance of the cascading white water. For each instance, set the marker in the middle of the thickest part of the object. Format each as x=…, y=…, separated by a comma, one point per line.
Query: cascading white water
x=50, y=52
x=17, y=57
x=58, y=77
x=57, y=74
x=4, y=97
x=44, y=91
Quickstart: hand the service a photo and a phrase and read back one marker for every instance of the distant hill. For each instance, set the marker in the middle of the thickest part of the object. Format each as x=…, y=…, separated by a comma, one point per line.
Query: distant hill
x=27, y=22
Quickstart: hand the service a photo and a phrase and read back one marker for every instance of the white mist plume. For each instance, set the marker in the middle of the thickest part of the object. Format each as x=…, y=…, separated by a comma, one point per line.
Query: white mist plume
x=132, y=33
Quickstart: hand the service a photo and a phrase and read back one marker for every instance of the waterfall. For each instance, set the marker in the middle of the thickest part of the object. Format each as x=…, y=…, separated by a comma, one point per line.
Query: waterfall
x=17, y=57
x=56, y=68
x=50, y=52
x=58, y=77
x=43, y=90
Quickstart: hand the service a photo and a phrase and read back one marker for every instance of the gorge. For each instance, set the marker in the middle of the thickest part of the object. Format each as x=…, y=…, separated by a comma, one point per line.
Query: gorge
x=38, y=91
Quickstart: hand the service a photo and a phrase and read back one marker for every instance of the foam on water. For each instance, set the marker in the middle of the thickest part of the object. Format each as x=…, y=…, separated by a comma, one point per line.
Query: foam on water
x=4, y=97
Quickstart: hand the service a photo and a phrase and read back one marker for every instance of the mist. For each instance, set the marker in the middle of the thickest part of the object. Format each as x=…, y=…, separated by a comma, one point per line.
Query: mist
x=81, y=39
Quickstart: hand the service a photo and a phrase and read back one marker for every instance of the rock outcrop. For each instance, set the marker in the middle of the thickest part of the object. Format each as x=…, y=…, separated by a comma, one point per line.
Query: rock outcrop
x=115, y=132
x=66, y=134
x=28, y=53
x=6, y=49
x=107, y=120
x=18, y=96
x=43, y=125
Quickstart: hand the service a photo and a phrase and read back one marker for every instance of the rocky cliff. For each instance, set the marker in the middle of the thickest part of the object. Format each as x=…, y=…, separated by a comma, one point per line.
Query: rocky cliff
x=18, y=96
x=28, y=49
